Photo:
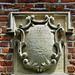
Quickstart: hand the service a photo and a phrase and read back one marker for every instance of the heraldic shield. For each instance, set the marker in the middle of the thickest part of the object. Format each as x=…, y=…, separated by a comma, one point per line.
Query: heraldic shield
x=39, y=43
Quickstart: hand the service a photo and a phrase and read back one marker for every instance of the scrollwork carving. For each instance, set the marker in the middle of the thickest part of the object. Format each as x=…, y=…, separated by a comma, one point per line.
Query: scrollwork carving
x=58, y=43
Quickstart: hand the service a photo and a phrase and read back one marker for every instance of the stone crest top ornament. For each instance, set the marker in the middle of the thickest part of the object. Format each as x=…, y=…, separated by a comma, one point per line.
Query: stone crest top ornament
x=39, y=42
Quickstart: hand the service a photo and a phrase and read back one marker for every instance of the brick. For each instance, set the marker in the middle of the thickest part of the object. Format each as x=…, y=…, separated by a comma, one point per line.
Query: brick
x=74, y=43
x=4, y=50
x=70, y=37
x=11, y=50
x=3, y=44
x=28, y=6
x=3, y=30
x=4, y=12
x=48, y=0
x=73, y=18
x=59, y=10
x=10, y=44
x=0, y=6
x=3, y=18
x=69, y=44
x=73, y=56
x=73, y=12
x=3, y=24
x=23, y=10
x=70, y=69
x=8, y=6
x=38, y=10
x=18, y=6
x=71, y=50
x=9, y=57
x=50, y=6
x=4, y=37
x=39, y=6
x=68, y=0
x=72, y=63
x=59, y=6
x=70, y=74
x=14, y=6
x=9, y=69
x=27, y=1
x=2, y=69
x=3, y=56
x=69, y=56
x=6, y=63
x=8, y=1
x=4, y=74
x=70, y=6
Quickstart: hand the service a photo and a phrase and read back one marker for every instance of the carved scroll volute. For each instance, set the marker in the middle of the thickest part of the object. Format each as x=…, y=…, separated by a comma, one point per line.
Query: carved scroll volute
x=57, y=43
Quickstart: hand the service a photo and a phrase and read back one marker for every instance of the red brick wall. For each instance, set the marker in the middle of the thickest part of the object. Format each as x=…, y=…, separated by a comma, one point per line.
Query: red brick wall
x=6, y=46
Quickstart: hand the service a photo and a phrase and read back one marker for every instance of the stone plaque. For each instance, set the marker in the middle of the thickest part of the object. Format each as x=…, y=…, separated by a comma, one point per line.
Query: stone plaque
x=39, y=44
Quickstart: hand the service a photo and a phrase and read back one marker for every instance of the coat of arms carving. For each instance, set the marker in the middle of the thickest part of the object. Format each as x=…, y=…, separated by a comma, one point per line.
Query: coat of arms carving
x=40, y=43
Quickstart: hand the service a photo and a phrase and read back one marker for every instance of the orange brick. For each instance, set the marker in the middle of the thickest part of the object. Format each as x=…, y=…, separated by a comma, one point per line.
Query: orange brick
x=70, y=69
x=27, y=1
x=4, y=50
x=48, y=0
x=71, y=50
x=3, y=30
x=3, y=37
x=3, y=56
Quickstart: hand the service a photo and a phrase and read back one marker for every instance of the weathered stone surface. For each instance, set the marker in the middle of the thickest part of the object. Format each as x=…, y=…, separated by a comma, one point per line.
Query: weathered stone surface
x=40, y=42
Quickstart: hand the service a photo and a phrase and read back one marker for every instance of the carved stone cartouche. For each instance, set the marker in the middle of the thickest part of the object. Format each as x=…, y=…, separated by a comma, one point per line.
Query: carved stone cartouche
x=38, y=44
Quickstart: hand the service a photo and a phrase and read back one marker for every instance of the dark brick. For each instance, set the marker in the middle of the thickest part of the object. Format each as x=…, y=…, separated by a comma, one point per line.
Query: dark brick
x=72, y=63
x=70, y=6
x=73, y=18
x=8, y=1
x=10, y=50
x=69, y=56
x=69, y=44
x=28, y=6
x=9, y=69
x=39, y=6
x=3, y=44
x=68, y=0
x=48, y=0
x=73, y=12
x=3, y=18
x=6, y=63
x=27, y=1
